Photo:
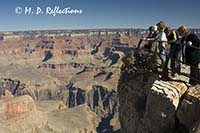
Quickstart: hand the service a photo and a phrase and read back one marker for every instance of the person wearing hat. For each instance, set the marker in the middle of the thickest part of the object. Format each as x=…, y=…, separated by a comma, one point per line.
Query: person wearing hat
x=162, y=41
x=162, y=45
x=174, y=51
x=192, y=53
x=151, y=44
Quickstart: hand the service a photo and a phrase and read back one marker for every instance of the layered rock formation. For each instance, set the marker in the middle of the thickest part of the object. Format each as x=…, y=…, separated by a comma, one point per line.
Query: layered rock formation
x=189, y=109
x=150, y=105
x=102, y=101
x=99, y=99
x=13, y=86
x=12, y=107
x=20, y=115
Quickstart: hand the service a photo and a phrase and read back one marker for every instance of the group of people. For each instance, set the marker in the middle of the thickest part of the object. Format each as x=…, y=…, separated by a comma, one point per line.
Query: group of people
x=170, y=45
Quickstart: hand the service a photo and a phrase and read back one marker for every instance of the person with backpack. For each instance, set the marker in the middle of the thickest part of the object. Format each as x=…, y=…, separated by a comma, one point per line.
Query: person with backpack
x=192, y=53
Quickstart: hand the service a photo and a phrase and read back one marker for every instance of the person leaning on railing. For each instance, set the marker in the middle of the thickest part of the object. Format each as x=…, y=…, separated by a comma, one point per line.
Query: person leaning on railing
x=151, y=39
x=192, y=53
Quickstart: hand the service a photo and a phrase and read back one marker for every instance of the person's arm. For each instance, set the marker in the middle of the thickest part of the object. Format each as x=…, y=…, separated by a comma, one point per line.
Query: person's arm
x=193, y=42
x=190, y=44
x=149, y=39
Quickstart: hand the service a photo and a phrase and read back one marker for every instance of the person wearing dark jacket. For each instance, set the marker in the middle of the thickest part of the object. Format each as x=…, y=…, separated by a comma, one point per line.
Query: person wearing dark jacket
x=192, y=53
x=174, y=51
x=151, y=43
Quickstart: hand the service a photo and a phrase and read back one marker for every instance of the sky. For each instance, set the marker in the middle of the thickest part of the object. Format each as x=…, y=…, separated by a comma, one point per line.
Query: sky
x=97, y=14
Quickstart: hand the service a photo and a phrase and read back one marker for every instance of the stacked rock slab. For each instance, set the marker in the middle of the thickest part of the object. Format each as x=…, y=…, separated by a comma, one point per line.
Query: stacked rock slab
x=162, y=103
x=189, y=110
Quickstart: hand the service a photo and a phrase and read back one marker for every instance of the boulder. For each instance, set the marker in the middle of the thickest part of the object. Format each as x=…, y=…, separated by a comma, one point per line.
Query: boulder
x=189, y=111
x=162, y=103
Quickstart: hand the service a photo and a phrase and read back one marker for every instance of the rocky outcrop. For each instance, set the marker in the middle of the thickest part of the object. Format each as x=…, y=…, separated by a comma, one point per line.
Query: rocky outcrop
x=188, y=113
x=20, y=115
x=102, y=101
x=11, y=47
x=72, y=53
x=72, y=96
x=48, y=55
x=14, y=86
x=105, y=104
x=148, y=104
x=41, y=49
x=62, y=66
x=161, y=116
x=45, y=44
x=98, y=96
x=113, y=56
x=124, y=49
x=133, y=88
x=96, y=48
x=92, y=69
x=15, y=106
x=116, y=39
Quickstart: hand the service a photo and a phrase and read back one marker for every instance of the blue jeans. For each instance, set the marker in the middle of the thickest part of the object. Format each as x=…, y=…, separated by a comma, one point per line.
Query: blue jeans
x=162, y=56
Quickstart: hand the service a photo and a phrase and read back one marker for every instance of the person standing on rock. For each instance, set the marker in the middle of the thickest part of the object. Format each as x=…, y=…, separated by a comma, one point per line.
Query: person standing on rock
x=162, y=42
x=174, y=52
x=162, y=47
x=192, y=53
